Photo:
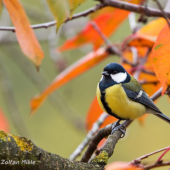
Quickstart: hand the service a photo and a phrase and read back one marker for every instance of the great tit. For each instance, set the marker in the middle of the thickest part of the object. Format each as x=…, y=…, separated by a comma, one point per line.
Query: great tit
x=120, y=95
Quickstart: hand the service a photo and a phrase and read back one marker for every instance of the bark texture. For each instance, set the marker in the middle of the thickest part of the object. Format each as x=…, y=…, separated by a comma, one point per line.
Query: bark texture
x=20, y=153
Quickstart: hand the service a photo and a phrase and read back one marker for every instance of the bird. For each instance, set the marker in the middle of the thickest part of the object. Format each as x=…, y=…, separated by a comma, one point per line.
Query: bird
x=120, y=95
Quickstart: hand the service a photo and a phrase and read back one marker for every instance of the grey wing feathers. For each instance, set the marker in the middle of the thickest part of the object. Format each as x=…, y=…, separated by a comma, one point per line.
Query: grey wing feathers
x=143, y=98
x=163, y=117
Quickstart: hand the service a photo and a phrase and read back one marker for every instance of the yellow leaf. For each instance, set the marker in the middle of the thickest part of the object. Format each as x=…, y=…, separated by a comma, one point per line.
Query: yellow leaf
x=74, y=4
x=60, y=10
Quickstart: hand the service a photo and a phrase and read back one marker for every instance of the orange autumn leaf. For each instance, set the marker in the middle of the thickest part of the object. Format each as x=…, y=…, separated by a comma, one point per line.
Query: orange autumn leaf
x=121, y=166
x=101, y=143
x=94, y=113
x=161, y=59
x=150, y=88
x=147, y=35
x=134, y=1
x=142, y=119
x=151, y=30
x=24, y=32
x=4, y=125
x=79, y=67
x=108, y=21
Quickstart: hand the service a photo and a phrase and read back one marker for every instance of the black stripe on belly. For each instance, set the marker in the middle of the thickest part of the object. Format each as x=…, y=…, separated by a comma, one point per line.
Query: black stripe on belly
x=107, y=108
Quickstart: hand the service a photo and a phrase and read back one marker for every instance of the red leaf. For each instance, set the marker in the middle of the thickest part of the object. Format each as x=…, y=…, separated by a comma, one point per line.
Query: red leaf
x=108, y=21
x=4, y=125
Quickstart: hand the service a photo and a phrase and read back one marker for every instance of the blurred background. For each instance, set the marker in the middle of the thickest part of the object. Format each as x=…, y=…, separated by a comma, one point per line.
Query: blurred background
x=58, y=126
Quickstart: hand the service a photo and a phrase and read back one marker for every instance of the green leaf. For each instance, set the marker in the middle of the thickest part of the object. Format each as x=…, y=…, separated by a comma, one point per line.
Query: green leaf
x=74, y=4
x=60, y=10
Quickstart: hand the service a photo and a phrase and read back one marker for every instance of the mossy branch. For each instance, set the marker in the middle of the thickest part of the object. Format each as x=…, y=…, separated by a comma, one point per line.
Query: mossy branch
x=20, y=153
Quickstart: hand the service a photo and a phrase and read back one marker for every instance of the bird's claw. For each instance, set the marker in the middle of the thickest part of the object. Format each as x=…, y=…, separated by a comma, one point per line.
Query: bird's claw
x=116, y=124
x=120, y=127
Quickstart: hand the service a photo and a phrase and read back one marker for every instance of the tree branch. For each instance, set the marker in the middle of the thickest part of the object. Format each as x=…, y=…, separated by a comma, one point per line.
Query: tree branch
x=150, y=12
x=89, y=136
x=102, y=133
x=20, y=153
x=108, y=149
x=52, y=23
x=138, y=160
x=157, y=164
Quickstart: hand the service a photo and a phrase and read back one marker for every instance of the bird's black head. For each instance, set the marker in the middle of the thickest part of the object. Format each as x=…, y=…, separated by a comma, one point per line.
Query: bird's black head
x=113, y=74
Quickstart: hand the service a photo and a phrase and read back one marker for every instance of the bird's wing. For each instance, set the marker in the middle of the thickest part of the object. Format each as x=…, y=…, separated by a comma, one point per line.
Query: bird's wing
x=142, y=97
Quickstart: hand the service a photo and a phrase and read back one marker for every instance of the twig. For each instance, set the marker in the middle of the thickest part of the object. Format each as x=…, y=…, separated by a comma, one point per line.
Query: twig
x=89, y=136
x=134, y=8
x=142, y=62
x=148, y=82
x=98, y=30
x=124, y=60
x=135, y=55
x=52, y=23
x=111, y=48
x=148, y=72
x=156, y=164
x=157, y=94
x=159, y=159
x=167, y=6
x=135, y=58
x=132, y=22
x=164, y=13
x=138, y=160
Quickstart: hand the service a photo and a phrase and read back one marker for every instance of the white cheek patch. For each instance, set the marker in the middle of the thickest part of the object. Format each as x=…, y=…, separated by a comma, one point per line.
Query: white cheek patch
x=119, y=77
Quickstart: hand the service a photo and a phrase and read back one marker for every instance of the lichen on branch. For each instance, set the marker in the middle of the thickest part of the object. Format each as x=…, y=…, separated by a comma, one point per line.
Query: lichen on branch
x=20, y=153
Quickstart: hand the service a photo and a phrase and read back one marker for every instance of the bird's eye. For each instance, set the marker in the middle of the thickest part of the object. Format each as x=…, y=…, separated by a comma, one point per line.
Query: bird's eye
x=114, y=72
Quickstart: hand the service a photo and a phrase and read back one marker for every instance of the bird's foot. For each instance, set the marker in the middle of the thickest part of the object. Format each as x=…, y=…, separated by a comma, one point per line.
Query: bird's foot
x=120, y=127
x=117, y=123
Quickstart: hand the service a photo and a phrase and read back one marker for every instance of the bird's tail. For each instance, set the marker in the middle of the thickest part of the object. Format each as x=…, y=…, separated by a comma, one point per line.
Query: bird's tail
x=163, y=117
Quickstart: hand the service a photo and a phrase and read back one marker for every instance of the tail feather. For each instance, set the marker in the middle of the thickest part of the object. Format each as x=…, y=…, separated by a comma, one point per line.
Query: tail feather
x=163, y=117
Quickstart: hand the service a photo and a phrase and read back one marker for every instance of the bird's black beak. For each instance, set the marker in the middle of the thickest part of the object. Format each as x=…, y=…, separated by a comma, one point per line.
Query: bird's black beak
x=105, y=73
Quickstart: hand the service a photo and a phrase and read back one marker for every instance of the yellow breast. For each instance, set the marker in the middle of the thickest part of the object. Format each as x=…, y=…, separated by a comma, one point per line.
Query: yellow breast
x=120, y=104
